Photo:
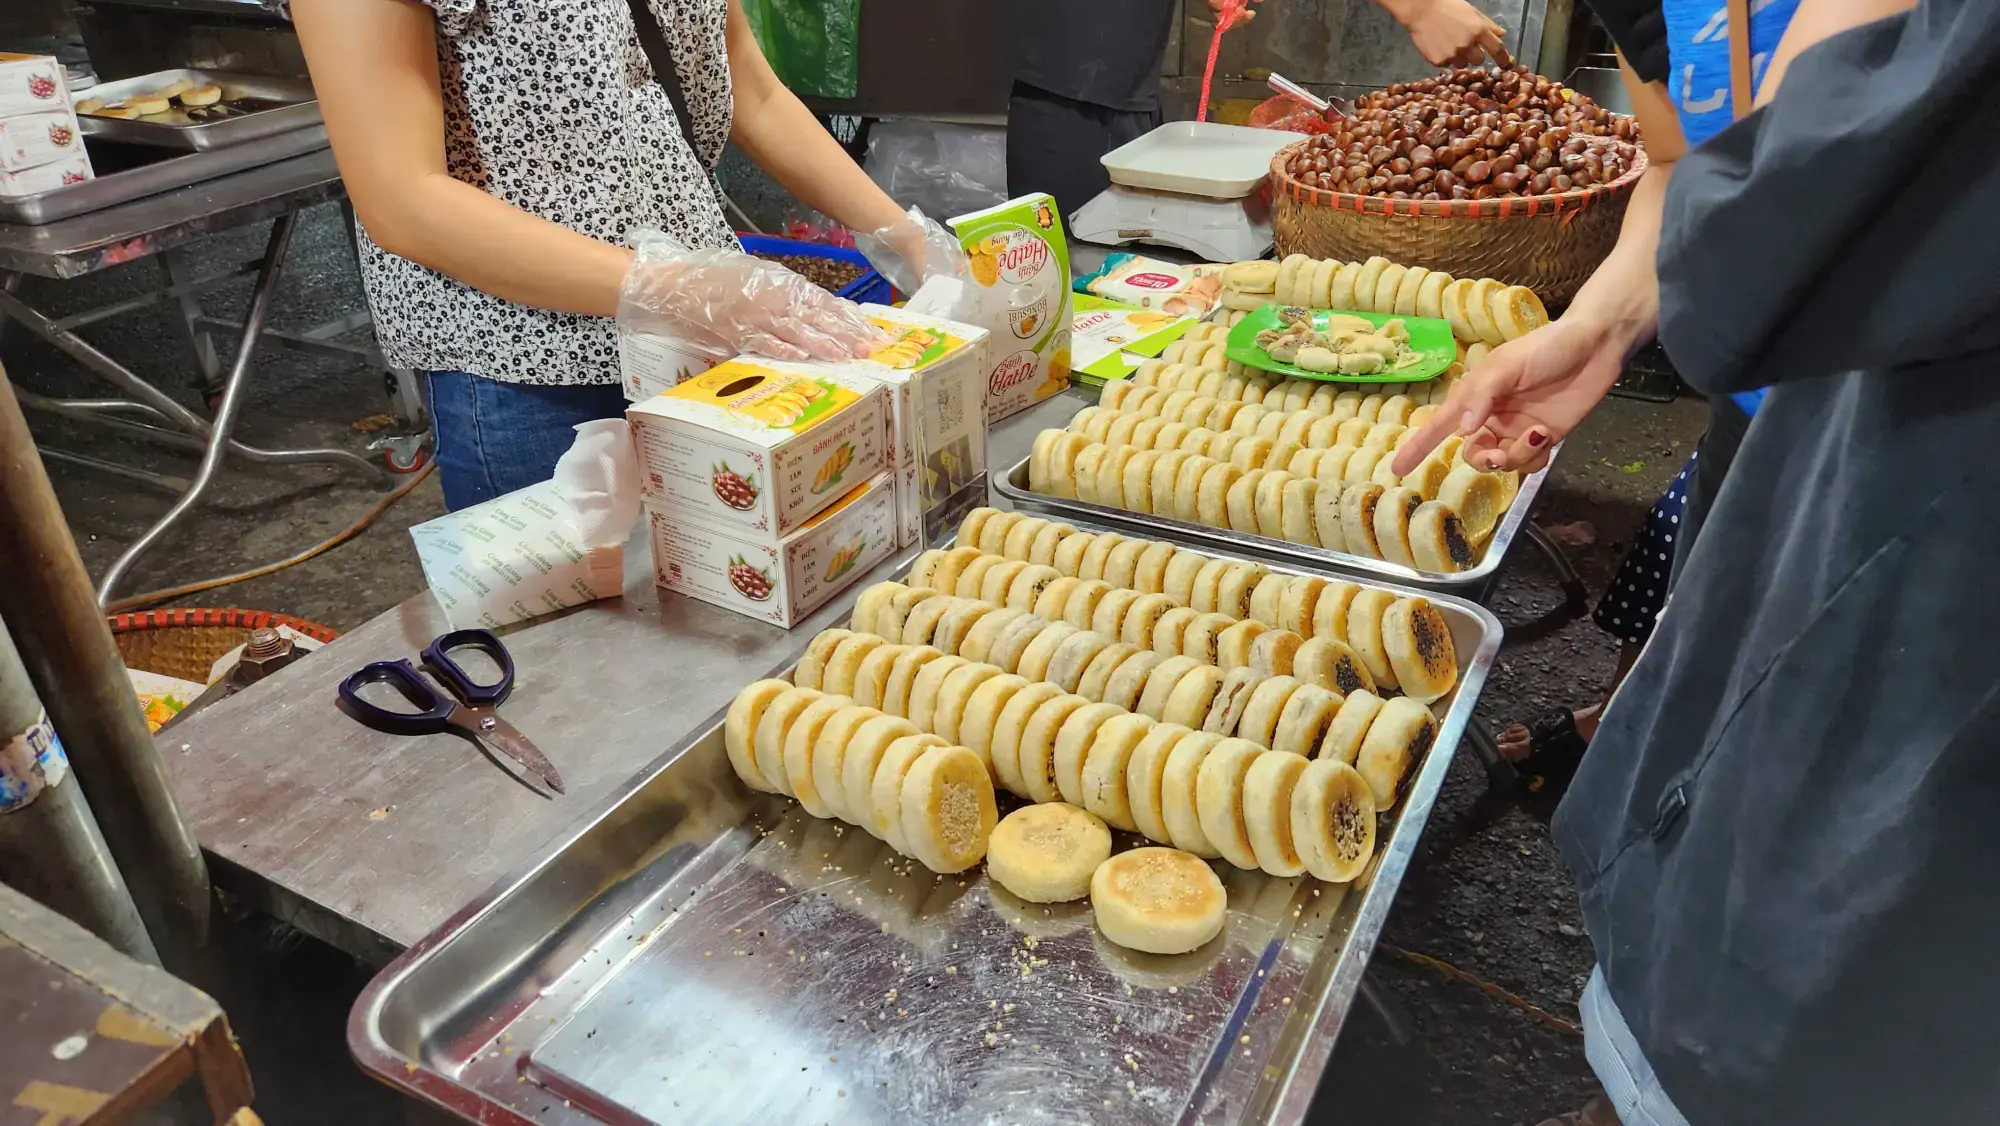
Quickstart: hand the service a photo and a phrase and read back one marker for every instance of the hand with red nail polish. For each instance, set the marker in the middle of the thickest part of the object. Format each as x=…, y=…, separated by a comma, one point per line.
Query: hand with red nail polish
x=1525, y=396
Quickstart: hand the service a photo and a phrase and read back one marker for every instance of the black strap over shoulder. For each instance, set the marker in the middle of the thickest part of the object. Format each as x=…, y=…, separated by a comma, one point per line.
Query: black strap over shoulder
x=653, y=40
x=1639, y=28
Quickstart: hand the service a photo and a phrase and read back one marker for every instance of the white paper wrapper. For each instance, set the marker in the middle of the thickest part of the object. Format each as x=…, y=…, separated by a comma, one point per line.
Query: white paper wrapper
x=945, y=297
x=544, y=548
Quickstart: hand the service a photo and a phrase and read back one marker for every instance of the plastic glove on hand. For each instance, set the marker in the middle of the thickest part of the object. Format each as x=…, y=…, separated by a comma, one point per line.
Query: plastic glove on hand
x=913, y=250
x=727, y=298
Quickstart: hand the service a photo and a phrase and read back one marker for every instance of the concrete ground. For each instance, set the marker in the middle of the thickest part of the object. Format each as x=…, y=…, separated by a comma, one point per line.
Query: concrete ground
x=1486, y=894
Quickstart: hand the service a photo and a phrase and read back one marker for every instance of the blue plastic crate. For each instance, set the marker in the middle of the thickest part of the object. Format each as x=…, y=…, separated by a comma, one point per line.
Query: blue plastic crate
x=869, y=288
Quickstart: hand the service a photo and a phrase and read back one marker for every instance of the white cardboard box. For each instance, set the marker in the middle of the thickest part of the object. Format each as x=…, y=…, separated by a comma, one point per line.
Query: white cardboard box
x=935, y=371
x=34, y=139
x=650, y=365
x=31, y=84
x=778, y=582
x=760, y=446
x=47, y=177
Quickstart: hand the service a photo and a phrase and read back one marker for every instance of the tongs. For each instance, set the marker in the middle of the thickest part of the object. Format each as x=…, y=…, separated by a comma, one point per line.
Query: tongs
x=1326, y=107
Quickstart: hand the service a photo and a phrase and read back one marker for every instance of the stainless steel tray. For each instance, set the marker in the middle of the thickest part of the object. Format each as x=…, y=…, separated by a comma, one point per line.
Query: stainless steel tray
x=693, y=952
x=1013, y=485
x=152, y=179
x=293, y=106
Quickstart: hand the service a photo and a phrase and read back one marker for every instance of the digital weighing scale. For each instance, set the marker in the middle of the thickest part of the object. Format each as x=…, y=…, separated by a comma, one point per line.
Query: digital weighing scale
x=1187, y=184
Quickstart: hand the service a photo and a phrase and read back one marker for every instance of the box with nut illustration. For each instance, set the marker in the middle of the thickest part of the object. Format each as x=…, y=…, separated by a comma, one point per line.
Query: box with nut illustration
x=34, y=139
x=46, y=177
x=935, y=371
x=1020, y=262
x=760, y=446
x=31, y=84
x=780, y=582
x=650, y=365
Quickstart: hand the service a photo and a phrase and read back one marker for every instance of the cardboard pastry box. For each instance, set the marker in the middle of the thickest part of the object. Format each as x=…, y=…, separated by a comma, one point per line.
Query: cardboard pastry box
x=758, y=447
x=935, y=372
x=780, y=582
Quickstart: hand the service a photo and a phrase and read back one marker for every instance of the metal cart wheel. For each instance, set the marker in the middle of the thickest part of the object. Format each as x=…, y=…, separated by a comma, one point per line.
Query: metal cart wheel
x=404, y=453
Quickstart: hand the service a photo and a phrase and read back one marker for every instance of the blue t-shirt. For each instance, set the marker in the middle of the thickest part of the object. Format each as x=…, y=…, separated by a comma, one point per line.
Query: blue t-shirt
x=1698, y=74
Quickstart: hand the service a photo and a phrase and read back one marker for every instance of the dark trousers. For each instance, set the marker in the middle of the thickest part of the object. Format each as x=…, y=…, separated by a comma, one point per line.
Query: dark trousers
x=1053, y=144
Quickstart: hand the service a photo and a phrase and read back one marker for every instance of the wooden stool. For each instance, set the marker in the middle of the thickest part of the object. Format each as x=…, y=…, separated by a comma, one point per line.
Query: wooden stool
x=94, y=1036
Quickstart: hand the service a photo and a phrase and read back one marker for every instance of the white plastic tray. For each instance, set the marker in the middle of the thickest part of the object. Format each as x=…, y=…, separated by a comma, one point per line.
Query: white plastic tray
x=1202, y=158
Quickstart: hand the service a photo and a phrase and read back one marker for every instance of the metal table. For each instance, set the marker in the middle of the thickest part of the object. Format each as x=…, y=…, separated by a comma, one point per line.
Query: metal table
x=164, y=225
x=370, y=841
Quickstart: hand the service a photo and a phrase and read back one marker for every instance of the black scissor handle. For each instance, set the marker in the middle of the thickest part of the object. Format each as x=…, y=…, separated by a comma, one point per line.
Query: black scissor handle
x=437, y=657
x=434, y=707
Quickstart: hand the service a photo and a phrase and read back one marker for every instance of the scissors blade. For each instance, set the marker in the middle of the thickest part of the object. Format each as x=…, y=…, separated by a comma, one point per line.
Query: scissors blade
x=506, y=740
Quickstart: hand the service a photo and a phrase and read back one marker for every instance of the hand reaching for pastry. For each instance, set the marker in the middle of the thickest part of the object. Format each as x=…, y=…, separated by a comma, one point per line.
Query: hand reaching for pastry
x=1523, y=398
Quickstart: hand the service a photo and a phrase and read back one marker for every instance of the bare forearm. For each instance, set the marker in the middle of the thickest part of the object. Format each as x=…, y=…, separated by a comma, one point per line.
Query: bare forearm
x=776, y=131
x=1623, y=296
x=492, y=246
x=782, y=137
x=1621, y=301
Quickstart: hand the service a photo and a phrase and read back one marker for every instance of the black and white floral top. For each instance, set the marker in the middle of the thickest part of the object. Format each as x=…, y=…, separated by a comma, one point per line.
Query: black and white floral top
x=551, y=106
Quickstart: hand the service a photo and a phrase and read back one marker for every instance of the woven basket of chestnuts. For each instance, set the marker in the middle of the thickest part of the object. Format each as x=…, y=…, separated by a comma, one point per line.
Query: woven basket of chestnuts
x=1482, y=173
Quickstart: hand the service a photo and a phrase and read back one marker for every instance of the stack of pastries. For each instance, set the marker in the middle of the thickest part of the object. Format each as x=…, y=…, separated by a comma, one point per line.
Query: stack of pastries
x=1479, y=310
x=1302, y=461
x=1212, y=705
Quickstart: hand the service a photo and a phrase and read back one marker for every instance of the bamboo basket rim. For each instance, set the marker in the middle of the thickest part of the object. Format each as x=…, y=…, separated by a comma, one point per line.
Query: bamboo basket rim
x=142, y=620
x=1515, y=207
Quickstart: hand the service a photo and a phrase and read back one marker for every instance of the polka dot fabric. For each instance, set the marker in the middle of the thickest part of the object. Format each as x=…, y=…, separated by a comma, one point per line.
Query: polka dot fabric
x=551, y=106
x=1638, y=592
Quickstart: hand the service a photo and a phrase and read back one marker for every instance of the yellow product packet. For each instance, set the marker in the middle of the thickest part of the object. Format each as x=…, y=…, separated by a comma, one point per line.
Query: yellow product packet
x=1020, y=265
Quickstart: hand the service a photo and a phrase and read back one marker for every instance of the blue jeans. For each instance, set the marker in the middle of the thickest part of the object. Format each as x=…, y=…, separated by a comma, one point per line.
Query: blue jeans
x=494, y=437
x=1618, y=1062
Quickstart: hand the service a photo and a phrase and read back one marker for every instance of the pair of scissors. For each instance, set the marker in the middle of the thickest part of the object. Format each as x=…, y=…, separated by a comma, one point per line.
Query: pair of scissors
x=465, y=706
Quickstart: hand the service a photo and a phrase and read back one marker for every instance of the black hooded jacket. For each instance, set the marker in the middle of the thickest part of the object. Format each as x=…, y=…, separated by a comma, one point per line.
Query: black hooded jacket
x=1787, y=831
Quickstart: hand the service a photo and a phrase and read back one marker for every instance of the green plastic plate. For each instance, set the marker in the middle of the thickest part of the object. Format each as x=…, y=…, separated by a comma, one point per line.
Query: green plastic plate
x=1429, y=336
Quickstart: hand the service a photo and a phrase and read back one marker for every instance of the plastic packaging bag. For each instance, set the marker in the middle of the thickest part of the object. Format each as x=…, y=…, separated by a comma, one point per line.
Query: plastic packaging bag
x=814, y=45
x=942, y=168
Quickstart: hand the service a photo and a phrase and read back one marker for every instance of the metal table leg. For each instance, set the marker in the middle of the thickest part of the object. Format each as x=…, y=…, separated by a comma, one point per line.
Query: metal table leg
x=181, y=278
x=405, y=387
x=10, y=284
x=1574, y=592
x=152, y=414
x=150, y=400
x=225, y=415
x=406, y=394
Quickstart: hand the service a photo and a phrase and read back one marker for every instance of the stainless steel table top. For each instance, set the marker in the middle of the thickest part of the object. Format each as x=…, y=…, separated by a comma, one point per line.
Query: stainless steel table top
x=96, y=240
x=694, y=951
x=370, y=841
x=115, y=188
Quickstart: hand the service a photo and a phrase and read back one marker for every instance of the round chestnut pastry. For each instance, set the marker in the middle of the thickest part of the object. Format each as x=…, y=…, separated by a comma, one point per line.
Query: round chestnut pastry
x=1471, y=134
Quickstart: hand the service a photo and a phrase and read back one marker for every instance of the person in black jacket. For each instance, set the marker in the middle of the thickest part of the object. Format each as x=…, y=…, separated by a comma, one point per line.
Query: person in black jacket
x=1784, y=833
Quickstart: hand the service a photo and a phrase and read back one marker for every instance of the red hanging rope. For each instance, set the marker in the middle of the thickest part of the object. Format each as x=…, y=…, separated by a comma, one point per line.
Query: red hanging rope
x=1224, y=20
